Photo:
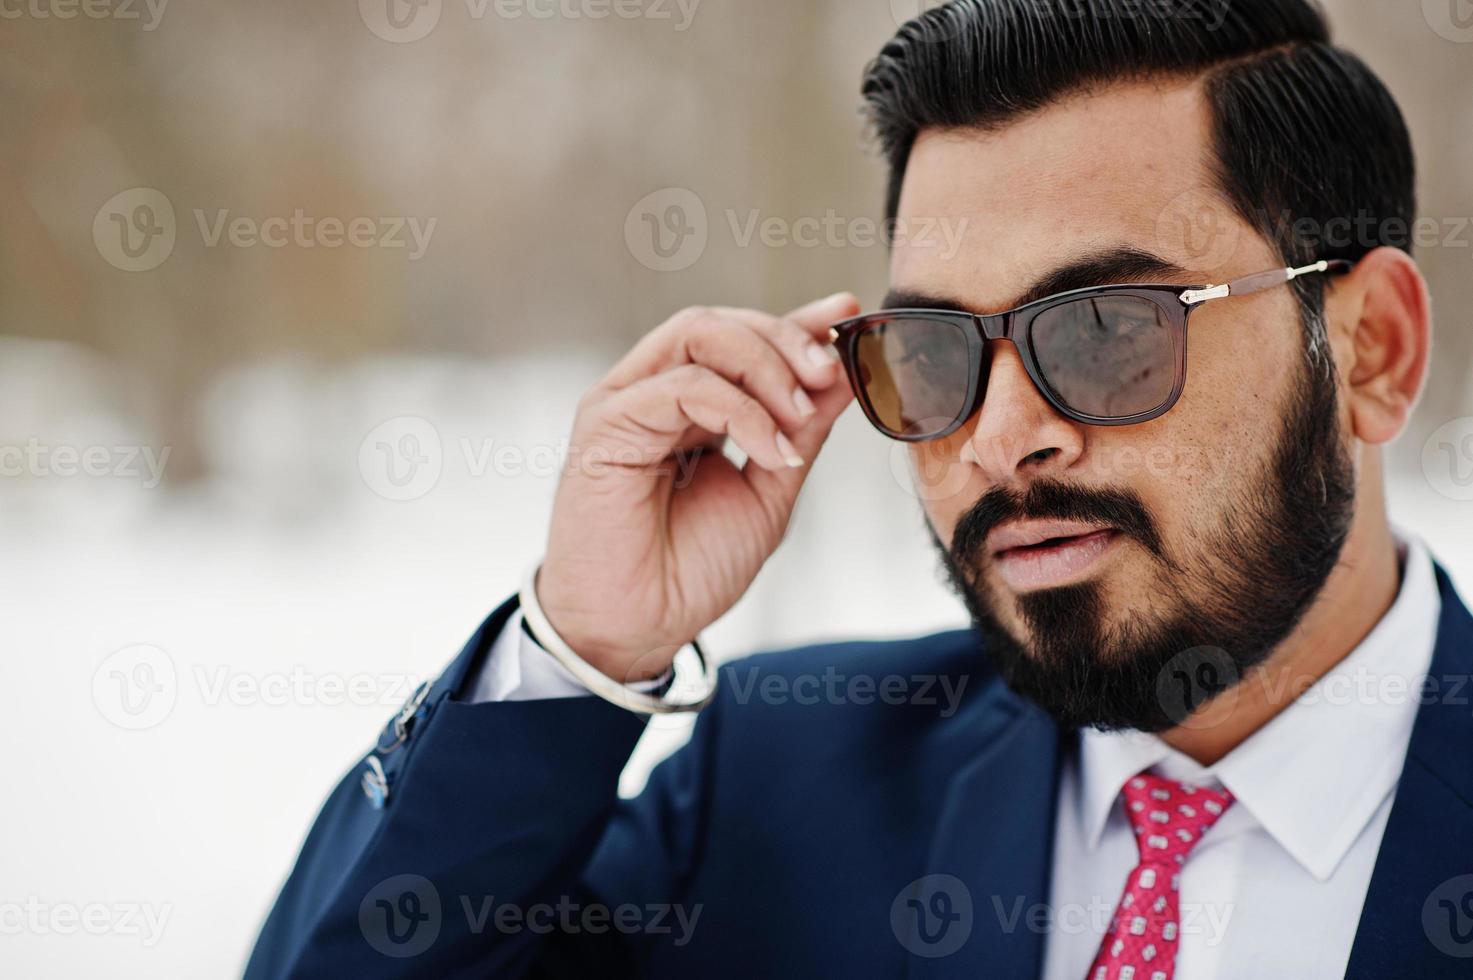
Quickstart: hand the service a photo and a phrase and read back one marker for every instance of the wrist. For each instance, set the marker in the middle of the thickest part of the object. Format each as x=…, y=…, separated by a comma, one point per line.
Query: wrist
x=593, y=670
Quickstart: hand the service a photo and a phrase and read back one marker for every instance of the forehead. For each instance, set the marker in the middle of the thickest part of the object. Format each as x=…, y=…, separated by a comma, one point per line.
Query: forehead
x=1128, y=165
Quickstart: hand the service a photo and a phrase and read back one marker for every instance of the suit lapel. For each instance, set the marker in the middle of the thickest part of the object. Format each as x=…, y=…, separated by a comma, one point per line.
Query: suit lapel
x=995, y=833
x=995, y=830
x=1418, y=916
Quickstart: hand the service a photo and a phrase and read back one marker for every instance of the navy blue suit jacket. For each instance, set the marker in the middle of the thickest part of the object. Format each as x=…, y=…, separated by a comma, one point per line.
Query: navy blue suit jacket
x=790, y=830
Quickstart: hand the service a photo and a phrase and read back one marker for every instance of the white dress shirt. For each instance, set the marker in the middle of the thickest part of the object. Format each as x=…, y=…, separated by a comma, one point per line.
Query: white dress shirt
x=1275, y=888
x=517, y=669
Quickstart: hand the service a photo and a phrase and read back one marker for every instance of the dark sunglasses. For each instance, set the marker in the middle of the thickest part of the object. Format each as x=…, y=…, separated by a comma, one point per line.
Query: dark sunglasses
x=1107, y=355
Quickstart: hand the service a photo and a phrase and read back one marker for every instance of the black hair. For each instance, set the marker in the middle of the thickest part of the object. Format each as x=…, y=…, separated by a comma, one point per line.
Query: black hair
x=1308, y=140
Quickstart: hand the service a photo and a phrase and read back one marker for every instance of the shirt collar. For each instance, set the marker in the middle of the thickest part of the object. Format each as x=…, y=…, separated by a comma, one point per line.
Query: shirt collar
x=1318, y=771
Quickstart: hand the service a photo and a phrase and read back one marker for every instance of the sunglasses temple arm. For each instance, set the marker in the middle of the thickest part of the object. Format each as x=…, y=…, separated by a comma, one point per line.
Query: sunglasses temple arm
x=1260, y=281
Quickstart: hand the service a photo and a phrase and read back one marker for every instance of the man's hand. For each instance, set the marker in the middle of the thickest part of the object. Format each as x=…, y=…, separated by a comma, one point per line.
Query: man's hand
x=638, y=560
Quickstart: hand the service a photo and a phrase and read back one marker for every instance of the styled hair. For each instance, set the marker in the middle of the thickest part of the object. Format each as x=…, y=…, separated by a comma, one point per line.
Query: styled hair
x=1311, y=149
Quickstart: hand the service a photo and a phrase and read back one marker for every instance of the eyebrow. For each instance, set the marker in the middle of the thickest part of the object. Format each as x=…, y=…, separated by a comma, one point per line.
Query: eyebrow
x=1118, y=265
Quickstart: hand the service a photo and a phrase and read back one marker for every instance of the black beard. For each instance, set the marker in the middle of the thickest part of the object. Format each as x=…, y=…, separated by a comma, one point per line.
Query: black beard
x=1237, y=597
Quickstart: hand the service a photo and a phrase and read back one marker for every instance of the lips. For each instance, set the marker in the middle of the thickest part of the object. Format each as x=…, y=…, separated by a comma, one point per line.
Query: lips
x=1028, y=534
x=1046, y=554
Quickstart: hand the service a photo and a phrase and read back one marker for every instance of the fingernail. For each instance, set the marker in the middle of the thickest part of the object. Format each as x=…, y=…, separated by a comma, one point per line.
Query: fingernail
x=788, y=452
x=820, y=356
x=803, y=403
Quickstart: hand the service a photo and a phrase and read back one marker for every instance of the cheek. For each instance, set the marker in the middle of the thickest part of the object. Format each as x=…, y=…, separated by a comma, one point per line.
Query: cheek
x=944, y=484
x=1239, y=362
x=1215, y=441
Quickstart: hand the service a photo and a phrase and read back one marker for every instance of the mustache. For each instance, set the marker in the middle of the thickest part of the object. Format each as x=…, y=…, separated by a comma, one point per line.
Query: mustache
x=1121, y=509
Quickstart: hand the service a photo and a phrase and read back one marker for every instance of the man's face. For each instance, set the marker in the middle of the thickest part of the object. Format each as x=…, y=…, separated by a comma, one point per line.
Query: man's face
x=1085, y=622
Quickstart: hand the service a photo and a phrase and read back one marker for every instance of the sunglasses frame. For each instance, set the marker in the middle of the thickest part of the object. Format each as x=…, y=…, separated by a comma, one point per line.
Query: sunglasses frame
x=1015, y=326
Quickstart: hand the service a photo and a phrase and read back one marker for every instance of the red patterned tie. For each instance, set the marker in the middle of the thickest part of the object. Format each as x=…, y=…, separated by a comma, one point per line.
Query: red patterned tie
x=1169, y=818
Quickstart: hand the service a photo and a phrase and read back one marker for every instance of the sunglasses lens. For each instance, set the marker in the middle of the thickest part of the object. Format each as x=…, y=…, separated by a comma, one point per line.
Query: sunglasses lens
x=914, y=374
x=1108, y=357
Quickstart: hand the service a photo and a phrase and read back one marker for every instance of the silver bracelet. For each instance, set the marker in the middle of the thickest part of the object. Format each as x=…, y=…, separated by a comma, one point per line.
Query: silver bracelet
x=596, y=680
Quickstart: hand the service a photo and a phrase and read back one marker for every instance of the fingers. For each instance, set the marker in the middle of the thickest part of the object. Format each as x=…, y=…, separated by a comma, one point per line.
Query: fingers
x=736, y=346
x=801, y=337
x=779, y=488
x=747, y=357
x=662, y=410
x=769, y=383
x=779, y=361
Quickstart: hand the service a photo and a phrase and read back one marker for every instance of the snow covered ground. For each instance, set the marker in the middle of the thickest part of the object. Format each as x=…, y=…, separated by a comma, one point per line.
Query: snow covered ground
x=277, y=614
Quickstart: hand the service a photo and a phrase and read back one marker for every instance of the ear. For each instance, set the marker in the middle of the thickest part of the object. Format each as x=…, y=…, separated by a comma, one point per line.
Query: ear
x=1384, y=307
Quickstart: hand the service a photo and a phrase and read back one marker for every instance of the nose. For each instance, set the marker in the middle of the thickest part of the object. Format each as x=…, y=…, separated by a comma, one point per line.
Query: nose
x=1017, y=435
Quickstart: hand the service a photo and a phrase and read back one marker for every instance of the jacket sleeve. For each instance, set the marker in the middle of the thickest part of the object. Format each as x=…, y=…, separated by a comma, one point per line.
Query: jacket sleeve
x=502, y=848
